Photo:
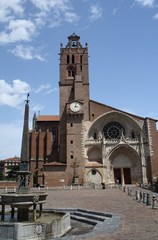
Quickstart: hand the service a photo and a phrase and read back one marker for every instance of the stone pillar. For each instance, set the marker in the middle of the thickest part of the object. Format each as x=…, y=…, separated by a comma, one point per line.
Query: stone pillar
x=122, y=177
x=144, y=197
x=143, y=162
x=147, y=199
x=154, y=202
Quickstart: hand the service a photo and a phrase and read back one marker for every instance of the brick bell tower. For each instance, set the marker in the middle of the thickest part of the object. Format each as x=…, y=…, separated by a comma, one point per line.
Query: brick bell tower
x=74, y=101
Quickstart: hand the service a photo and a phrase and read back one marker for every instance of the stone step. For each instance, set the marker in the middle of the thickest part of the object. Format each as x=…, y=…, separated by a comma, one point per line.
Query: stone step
x=89, y=216
x=107, y=215
x=84, y=220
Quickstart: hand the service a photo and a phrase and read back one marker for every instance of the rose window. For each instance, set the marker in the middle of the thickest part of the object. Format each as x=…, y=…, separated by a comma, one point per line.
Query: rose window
x=113, y=130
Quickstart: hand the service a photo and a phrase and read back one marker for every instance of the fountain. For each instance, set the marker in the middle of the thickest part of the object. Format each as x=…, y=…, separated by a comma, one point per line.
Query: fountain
x=27, y=219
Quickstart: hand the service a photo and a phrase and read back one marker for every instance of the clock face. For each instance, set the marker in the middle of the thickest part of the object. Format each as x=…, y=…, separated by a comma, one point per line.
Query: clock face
x=75, y=106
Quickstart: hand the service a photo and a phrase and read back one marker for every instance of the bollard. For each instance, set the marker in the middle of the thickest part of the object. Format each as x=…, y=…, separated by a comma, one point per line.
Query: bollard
x=78, y=187
x=140, y=196
x=144, y=197
x=154, y=202
x=71, y=187
x=137, y=194
x=123, y=188
x=130, y=192
x=147, y=199
x=6, y=189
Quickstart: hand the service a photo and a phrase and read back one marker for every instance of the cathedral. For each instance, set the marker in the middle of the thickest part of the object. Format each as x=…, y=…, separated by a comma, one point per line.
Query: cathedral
x=89, y=142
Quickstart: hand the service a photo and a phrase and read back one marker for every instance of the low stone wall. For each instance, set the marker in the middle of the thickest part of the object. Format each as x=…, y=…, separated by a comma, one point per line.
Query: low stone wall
x=35, y=231
x=9, y=184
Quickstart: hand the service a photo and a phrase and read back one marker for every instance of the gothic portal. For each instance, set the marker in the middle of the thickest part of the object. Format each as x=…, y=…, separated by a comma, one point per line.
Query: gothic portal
x=90, y=142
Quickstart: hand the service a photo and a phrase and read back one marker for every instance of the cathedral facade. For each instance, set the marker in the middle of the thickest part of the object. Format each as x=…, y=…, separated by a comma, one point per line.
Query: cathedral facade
x=90, y=142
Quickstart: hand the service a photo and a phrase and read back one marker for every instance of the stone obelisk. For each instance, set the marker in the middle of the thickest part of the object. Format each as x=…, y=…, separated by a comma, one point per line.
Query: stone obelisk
x=24, y=168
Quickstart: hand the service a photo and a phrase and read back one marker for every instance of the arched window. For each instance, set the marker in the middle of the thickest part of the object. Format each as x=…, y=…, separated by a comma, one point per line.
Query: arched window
x=132, y=135
x=95, y=135
x=73, y=59
x=81, y=59
x=68, y=59
x=71, y=72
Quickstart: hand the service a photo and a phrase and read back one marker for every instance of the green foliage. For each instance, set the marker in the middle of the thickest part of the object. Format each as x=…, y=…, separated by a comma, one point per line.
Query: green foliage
x=12, y=173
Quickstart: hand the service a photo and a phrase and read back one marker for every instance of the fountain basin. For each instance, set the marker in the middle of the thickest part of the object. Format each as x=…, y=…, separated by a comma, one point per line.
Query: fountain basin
x=49, y=226
x=22, y=202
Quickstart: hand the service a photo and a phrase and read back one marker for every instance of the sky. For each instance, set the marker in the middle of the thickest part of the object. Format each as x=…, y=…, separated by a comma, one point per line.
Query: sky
x=122, y=37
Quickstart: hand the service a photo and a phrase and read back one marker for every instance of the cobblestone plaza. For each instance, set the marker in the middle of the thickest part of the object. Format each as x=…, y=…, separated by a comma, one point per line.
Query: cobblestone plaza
x=137, y=221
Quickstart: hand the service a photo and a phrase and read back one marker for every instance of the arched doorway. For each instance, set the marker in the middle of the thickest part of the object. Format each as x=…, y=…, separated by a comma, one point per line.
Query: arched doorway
x=126, y=166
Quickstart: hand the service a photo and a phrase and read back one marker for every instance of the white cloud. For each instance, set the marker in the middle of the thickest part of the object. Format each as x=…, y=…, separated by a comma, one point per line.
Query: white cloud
x=42, y=88
x=17, y=30
x=13, y=95
x=51, y=90
x=22, y=25
x=71, y=17
x=54, y=12
x=10, y=7
x=46, y=88
x=96, y=12
x=155, y=16
x=27, y=53
x=46, y=5
x=146, y=3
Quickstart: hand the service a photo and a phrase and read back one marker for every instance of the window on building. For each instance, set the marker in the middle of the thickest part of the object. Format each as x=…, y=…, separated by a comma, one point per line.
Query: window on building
x=81, y=59
x=113, y=130
x=132, y=135
x=94, y=172
x=68, y=59
x=73, y=59
x=95, y=135
x=71, y=142
x=54, y=134
x=72, y=155
x=71, y=124
x=71, y=72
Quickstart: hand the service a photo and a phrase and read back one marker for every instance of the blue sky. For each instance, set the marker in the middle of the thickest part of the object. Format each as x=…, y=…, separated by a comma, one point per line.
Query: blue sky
x=122, y=37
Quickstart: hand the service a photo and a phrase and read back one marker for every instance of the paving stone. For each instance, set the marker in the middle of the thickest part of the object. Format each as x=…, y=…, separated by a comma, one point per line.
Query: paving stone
x=137, y=221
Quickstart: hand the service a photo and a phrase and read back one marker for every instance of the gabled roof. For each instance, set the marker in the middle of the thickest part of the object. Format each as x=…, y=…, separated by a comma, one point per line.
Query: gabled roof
x=116, y=109
x=14, y=159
